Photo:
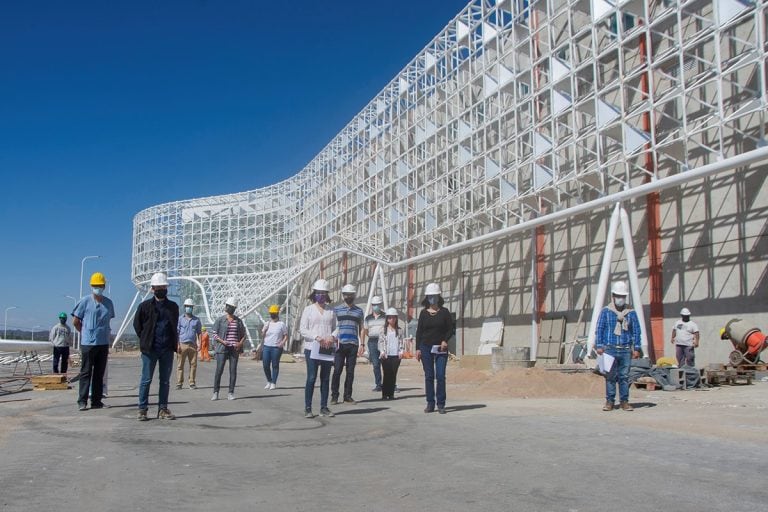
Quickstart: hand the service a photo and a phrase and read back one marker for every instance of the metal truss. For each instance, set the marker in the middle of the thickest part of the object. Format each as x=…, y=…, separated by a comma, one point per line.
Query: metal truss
x=514, y=111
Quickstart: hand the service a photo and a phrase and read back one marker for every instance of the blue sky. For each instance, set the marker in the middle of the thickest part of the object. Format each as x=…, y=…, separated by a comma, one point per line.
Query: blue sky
x=107, y=108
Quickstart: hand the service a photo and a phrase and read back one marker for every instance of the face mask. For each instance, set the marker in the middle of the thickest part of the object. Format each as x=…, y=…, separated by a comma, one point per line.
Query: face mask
x=432, y=299
x=161, y=294
x=273, y=316
x=620, y=302
x=377, y=309
x=349, y=300
x=321, y=298
x=229, y=309
x=188, y=309
x=63, y=320
x=97, y=291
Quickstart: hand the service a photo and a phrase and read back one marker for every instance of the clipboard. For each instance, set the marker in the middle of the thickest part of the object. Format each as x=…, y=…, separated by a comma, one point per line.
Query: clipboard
x=322, y=354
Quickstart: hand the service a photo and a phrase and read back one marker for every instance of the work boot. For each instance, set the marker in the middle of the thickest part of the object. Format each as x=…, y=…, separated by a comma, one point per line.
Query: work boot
x=429, y=408
x=165, y=414
x=608, y=406
x=626, y=407
x=335, y=400
x=142, y=415
x=441, y=410
x=326, y=412
x=350, y=400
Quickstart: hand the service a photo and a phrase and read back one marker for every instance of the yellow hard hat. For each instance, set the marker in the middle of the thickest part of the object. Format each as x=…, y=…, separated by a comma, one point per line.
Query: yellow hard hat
x=205, y=328
x=98, y=279
x=274, y=309
x=722, y=332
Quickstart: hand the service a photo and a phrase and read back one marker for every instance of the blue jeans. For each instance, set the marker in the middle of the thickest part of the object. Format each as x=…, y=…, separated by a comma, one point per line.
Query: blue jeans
x=373, y=357
x=270, y=358
x=231, y=355
x=434, y=368
x=148, y=362
x=325, y=381
x=620, y=372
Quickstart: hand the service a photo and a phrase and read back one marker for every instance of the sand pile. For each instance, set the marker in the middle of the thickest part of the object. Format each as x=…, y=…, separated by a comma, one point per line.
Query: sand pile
x=525, y=383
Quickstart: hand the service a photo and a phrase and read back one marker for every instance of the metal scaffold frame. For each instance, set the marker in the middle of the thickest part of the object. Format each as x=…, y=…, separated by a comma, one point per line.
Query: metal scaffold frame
x=517, y=114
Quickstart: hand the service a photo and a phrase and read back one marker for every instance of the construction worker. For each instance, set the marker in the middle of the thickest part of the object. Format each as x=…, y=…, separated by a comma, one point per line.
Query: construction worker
x=156, y=324
x=434, y=329
x=372, y=326
x=229, y=336
x=189, y=329
x=205, y=344
x=685, y=338
x=349, y=323
x=618, y=335
x=275, y=336
x=61, y=338
x=91, y=318
x=317, y=325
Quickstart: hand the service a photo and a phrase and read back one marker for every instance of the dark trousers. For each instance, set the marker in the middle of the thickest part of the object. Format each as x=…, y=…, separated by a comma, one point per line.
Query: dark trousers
x=389, y=366
x=686, y=356
x=60, y=353
x=231, y=355
x=345, y=356
x=92, y=367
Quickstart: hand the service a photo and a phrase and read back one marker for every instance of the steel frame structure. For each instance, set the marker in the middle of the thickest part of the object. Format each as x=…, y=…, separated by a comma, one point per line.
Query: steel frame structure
x=516, y=114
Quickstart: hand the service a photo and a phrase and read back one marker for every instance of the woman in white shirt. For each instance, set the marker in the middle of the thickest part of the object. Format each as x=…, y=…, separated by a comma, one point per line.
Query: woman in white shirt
x=318, y=322
x=275, y=335
x=391, y=347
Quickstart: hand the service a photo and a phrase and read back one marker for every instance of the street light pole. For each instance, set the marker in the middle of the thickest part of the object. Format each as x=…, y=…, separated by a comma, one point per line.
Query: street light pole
x=33, y=331
x=82, y=263
x=78, y=336
x=5, y=323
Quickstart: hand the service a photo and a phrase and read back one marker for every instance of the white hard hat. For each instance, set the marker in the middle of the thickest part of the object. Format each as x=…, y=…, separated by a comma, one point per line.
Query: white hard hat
x=321, y=285
x=432, y=289
x=231, y=301
x=348, y=288
x=619, y=288
x=376, y=300
x=685, y=312
x=189, y=302
x=159, y=279
x=391, y=312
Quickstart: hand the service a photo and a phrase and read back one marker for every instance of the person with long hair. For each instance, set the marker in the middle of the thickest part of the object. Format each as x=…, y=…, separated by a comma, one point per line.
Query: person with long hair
x=318, y=322
x=391, y=348
x=434, y=328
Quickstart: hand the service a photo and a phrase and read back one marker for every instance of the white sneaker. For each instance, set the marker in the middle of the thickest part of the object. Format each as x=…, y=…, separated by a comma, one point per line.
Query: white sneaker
x=215, y=396
x=268, y=386
x=272, y=386
x=231, y=396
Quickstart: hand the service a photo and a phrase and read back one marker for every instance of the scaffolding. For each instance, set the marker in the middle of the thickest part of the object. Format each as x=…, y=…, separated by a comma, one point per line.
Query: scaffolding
x=517, y=113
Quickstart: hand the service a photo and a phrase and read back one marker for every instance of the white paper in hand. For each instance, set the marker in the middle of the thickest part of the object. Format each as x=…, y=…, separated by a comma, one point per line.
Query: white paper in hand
x=605, y=363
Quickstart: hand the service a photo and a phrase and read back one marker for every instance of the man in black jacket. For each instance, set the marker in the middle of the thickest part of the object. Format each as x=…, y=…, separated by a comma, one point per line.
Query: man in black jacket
x=156, y=324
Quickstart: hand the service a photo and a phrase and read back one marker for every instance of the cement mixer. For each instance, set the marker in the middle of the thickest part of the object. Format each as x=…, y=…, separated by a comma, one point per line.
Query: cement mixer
x=747, y=343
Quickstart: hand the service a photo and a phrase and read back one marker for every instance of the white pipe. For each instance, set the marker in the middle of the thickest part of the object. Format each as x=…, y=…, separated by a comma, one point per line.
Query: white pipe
x=126, y=319
x=371, y=289
x=634, y=285
x=534, y=299
x=384, y=291
x=605, y=272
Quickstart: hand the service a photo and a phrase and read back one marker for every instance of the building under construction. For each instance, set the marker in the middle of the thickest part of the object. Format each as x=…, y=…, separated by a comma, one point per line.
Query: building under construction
x=528, y=155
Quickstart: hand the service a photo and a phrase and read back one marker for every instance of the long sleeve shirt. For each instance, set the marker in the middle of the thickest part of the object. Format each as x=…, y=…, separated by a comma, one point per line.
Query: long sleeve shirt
x=60, y=335
x=606, y=324
x=434, y=329
x=316, y=322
